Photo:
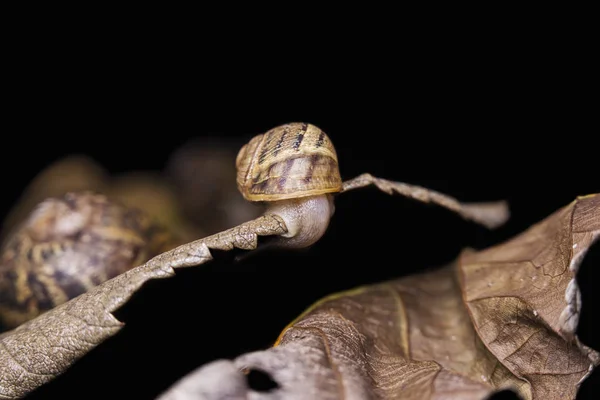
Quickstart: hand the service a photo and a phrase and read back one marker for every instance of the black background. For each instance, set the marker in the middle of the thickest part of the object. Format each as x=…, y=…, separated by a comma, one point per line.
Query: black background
x=477, y=123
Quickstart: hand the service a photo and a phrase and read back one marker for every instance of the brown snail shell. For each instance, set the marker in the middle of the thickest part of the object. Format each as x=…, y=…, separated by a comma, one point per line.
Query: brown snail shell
x=73, y=173
x=67, y=246
x=290, y=161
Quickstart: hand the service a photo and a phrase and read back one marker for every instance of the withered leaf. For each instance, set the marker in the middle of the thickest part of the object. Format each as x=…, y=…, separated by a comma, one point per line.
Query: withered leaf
x=525, y=303
x=39, y=350
x=502, y=318
x=489, y=214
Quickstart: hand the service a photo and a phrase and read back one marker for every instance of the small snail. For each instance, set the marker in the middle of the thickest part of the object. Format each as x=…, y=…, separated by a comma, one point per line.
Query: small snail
x=293, y=168
x=67, y=246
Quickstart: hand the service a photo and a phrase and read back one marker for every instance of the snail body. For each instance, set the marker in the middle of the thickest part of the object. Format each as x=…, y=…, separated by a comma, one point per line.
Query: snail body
x=293, y=169
x=306, y=219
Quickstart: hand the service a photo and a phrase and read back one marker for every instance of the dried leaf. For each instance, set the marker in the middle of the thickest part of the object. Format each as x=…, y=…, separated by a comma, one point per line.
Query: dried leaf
x=525, y=303
x=39, y=350
x=49, y=344
x=503, y=318
x=489, y=214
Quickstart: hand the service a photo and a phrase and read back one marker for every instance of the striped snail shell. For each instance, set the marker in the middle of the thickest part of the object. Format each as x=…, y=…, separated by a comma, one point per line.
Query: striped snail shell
x=289, y=161
x=294, y=169
x=67, y=246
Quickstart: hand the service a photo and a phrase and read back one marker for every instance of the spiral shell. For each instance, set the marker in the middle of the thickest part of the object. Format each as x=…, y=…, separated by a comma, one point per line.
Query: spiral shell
x=69, y=245
x=289, y=161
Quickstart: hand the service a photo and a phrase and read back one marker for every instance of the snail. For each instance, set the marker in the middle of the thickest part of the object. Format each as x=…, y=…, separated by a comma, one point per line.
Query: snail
x=67, y=246
x=293, y=169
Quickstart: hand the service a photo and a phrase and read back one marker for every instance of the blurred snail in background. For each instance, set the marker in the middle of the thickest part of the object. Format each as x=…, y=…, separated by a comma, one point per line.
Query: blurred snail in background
x=69, y=245
x=74, y=173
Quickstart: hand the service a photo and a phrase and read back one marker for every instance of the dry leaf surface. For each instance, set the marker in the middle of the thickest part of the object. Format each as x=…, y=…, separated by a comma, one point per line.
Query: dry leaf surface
x=500, y=318
x=39, y=350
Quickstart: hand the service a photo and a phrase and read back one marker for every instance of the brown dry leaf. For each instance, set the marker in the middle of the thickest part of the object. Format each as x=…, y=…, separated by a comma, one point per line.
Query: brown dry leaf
x=488, y=214
x=500, y=318
x=525, y=303
x=39, y=350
